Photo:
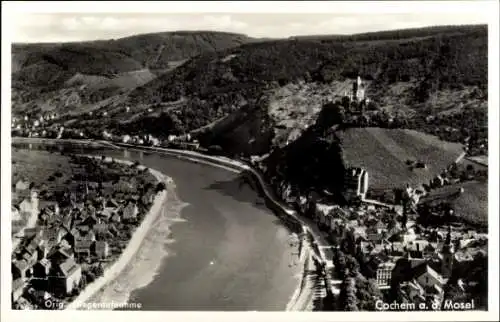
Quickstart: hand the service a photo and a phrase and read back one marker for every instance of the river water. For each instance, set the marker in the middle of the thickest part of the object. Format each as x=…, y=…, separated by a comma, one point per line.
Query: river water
x=214, y=247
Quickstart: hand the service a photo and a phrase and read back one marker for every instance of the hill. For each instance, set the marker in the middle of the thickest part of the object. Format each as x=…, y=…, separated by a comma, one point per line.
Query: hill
x=43, y=68
x=410, y=75
x=417, y=65
x=385, y=152
x=471, y=206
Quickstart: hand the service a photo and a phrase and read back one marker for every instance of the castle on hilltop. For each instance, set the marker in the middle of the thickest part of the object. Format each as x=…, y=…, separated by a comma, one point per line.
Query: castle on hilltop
x=357, y=93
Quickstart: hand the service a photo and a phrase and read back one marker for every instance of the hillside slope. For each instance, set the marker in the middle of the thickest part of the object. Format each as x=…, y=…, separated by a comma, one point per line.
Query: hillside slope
x=384, y=153
x=44, y=68
x=451, y=59
x=409, y=74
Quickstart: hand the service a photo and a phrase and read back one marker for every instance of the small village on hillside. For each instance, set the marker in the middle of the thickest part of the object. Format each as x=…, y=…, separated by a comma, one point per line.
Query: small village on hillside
x=69, y=228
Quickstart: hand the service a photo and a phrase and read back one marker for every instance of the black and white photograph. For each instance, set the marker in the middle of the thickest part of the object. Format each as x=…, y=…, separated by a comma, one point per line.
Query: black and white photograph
x=330, y=162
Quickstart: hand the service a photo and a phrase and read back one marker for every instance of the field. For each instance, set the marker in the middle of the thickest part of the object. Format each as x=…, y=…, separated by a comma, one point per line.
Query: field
x=472, y=205
x=37, y=166
x=384, y=153
x=127, y=80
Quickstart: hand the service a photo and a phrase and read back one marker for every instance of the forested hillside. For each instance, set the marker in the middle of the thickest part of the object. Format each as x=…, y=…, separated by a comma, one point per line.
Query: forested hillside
x=430, y=61
x=40, y=68
x=410, y=74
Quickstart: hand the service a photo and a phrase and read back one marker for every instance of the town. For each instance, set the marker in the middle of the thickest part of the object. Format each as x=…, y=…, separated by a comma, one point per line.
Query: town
x=73, y=232
x=410, y=249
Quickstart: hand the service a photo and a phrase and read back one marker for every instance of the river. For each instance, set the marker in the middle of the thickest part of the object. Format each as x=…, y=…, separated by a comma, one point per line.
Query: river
x=214, y=247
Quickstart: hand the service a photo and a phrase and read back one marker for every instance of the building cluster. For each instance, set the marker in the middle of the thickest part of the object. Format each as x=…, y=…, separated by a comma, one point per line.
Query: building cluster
x=74, y=235
x=172, y=141
x=392, y=247
x=38, y=126
x=33, y=123
x=399, y=253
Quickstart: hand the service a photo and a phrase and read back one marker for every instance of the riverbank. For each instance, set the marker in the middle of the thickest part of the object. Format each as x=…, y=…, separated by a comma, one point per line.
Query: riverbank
x=135, y=242
x=303, y=296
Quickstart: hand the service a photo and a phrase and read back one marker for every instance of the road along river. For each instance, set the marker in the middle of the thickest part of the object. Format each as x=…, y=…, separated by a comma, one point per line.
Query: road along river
x=215, y=246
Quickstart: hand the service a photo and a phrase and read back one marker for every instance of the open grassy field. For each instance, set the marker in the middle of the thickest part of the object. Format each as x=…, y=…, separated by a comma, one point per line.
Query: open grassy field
x=472, y=205
x=38, y=166
x=384, y=152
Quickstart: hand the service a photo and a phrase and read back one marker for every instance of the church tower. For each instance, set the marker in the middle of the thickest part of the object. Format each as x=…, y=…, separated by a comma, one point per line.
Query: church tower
x=448, y=254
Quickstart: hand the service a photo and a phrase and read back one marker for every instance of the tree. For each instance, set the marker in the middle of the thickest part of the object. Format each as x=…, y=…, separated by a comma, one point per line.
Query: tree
x=99, y=270
x=347, y=297
x=90, y=277
x=340, y=264
x=160, y=186
x=331, y=114
x=367, y=293
x=404, y=220
x=352, y=265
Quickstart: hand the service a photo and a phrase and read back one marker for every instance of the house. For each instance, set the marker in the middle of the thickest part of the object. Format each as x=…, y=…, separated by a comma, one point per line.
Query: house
x=116, y=217
x=416, y=247
x=83, y=229
x=71, y=236
x=427, y=277
x=130, y=212
x=429, y=251
x=66, y=278
x=58, y=255
x=384, y=273
x=67, y=222
x=83, y=248
x=102, y=232
x=420, y=292
x=106, y=213
x=414, y=292
x=90, y=221
x=53, y=236
x=38, y=244
x=110, y=204
x=89, y=235
x=397, y=249
x=30, y=255
x=41, y=269
x=147, y=198
x=26, y=206
x=18, y=286
x=22, y=185
x=101, y=249
x=126, y=138
x=409, y=236
x=373, y=234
